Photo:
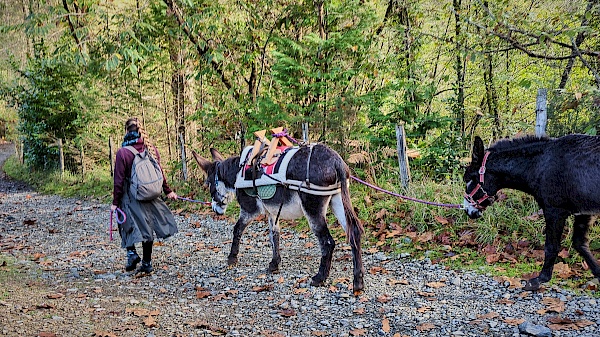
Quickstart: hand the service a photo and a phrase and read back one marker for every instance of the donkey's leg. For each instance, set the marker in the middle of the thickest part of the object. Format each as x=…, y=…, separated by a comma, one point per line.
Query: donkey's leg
x=315, y=208
x=327, y=244
x=274, y=235
x=581, y=242
x=555, y=224
x=359, y=271
x=239, y=228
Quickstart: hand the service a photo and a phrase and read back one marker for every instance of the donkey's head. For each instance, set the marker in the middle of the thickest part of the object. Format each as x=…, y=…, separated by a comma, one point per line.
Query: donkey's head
x=481, y=187
x=220, y=194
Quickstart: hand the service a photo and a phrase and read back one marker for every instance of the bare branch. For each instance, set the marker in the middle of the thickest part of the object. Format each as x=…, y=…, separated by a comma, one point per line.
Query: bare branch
x=585, y=62
x=202, y=50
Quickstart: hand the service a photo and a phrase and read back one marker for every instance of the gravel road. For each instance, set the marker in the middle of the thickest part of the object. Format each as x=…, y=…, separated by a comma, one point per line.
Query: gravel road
x=60, y=275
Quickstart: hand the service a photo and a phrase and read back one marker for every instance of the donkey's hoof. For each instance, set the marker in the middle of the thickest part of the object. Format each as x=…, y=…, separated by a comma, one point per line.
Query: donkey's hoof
x=232, y=261
x=357, y=293
x=317, y=282
x=532, y=285
x=358, y=287
x=273, y=268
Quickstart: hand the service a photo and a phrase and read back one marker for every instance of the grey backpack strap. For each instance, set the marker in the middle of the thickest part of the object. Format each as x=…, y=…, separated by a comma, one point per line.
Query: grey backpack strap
x=132, y=149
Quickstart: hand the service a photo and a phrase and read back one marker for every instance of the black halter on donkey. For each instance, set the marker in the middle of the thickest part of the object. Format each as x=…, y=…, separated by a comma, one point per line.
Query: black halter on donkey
x=563, y=176
x=315, y=177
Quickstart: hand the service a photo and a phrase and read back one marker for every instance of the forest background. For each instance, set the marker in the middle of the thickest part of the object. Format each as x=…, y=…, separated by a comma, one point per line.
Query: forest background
x=207, y=74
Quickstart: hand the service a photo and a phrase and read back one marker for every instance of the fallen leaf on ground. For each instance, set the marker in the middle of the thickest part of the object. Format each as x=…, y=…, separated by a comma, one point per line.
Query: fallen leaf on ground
x=563, y=270
x=435, y=285
x=359, y=311
x=46, y=334
x=287, y=313
x=38, y=256
x=425, y=327
x=425, y=237
x=552, y=305
x=392, y=282
x=265, y=287
x=385, y=325
x=563, y=323
x=383, y=298
x=564, y=253
x=358, y=332
x=377, y=270
x=206, y=325
x=514, y=282
x=489, y=315
x=54, y=296
x=45, y=306
x=441, y=219
x=513, y=321
x=202, y=294
x=425, y=294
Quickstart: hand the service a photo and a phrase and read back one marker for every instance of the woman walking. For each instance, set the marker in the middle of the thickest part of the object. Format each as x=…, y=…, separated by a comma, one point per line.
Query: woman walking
x=144, y=218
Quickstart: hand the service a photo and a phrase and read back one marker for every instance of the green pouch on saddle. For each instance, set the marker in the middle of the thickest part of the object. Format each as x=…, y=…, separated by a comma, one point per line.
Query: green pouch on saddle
x=264, y=192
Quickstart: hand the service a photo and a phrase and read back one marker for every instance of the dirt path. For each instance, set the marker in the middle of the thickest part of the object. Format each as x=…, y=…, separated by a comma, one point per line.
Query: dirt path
x=60, y=275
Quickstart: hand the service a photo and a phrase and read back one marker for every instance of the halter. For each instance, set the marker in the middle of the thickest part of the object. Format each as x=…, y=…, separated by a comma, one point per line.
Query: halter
x=469, y=196
x=217, y=193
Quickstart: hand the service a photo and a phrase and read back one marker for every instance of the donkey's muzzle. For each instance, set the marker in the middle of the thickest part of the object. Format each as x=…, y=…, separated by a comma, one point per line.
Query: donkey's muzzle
x=476, y=214
x=472, y=211
x=218, y=208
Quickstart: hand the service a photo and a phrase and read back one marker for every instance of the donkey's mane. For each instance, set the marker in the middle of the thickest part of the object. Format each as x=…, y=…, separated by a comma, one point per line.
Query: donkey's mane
x=529, y=143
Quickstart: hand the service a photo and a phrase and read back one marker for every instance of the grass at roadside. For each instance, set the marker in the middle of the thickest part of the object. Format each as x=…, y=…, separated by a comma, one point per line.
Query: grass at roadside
x=506, y=241
x=8, y=272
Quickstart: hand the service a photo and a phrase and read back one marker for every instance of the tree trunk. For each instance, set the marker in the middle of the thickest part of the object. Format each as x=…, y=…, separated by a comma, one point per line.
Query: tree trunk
x=460, y=71
x=491, y=95
x=178, y=86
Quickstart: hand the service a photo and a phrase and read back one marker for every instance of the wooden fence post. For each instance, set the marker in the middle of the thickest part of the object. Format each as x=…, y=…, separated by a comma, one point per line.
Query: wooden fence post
x=61, y=158
x=305, y=132
x=183, y=159
x=82, y=158
x=22, y=153
x=110, y=156
x=17, y=152
x=402, y=155
x=541, y=112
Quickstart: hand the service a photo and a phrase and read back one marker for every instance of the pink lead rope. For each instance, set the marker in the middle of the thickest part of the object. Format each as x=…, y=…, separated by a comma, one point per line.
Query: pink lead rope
x=119, y=220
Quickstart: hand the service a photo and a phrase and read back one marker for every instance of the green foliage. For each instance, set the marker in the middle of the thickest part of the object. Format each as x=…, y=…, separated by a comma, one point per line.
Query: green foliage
x=51, y=105
x=318, y=74
x=96, y=184
x=440, y=156
x=577, y=112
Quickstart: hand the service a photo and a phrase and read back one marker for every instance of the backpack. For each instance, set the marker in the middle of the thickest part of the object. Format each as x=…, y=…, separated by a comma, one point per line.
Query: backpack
x=146, y=176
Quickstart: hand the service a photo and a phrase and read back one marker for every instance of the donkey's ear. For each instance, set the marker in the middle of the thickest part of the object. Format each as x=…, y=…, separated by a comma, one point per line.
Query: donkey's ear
x=204, y=163
x=478, y=150
x=216, y=155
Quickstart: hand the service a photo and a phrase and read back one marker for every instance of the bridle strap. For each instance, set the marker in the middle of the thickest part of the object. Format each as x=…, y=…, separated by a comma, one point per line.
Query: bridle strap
x=482, y=168
x=469, y=197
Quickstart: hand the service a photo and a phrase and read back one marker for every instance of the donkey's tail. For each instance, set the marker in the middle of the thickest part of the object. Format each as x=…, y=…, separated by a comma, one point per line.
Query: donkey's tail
x=354, y=226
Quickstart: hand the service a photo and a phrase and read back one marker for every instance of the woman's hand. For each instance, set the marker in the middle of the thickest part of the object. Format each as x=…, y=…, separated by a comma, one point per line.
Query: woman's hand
x=113, y=208
x=172, y=195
